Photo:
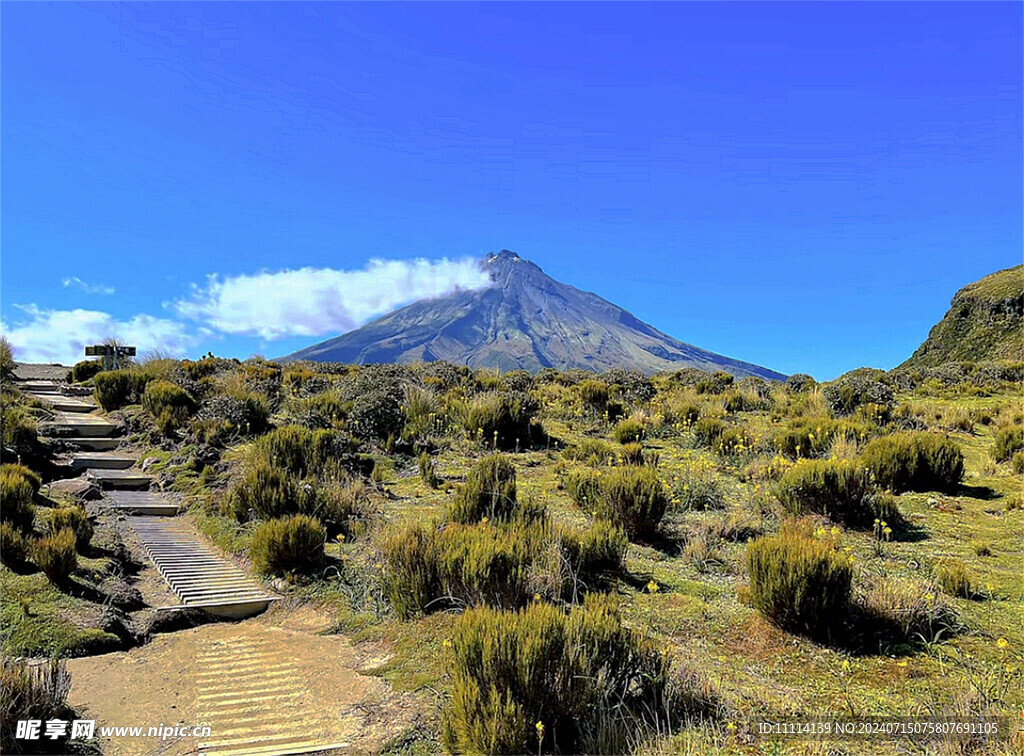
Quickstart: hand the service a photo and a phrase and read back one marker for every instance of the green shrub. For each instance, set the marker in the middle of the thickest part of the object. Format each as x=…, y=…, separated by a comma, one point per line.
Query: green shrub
x=798, y=581
x=16, y=494
x=303, y=452
x=267, y=492
x=247, y=414
x=84, y=370
x=592, y=553
x=33, y=690
x=339, y=506
x=593, y=395
x=32, y=477
x=14, y=547
x=629, y=431
x=731, y=440
x=591, y=451
x=584, y=488
x=915, y=462
x=115, y=389
x=707, y=431
x=579, y=673
x=428, y=470
x=631, y=454
x=798, y=383
x=55, y=555
x=839, y=489
x=168, y=403
x=489, y=491
x=698, y=488
x=1017, y=463
x=292, y=545
x=848, y=392
x=502, y=420
x=326, y=409
x=633, y=498
x=428, y=570
x=7, y=363
x=376, y=415
x=71, y=518
x=953, y=577
x=1007, y=442
x=18, y=429
x=716, y=383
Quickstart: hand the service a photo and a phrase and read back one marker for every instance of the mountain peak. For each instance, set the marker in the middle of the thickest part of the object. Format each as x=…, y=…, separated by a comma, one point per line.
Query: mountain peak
x=525, y=320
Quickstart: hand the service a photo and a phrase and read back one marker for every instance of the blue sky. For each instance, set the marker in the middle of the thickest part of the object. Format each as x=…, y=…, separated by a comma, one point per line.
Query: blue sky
x=800, y=185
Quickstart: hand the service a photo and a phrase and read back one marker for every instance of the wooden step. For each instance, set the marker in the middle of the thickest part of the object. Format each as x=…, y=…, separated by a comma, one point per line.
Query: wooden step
x=201, y=577
x=101, y=461
x=118, y=479
x=92, y=444
x=141, y=502
x=63, y=403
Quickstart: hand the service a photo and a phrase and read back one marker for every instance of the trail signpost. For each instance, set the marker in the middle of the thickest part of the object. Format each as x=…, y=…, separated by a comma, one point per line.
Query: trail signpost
x=111, y=354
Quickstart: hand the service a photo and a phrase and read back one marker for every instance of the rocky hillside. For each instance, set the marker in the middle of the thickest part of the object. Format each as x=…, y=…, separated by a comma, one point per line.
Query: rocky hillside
x=526, y=320
x=985, y=322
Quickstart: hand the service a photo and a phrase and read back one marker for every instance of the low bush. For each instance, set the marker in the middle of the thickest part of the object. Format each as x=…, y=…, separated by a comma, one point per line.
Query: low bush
x=1007, y=442
x=428, y=470
x=915, y=462
x=593, y=396
x=907, y=612
x=376, y=416
x=33, y=690
x=584, y=487
x=115, y=389
x=542, y=680
x=339, y=506
x=288, y=546
x=266, y=492
x=954, y=578
x=170, y=405
x=840, y=490
x=633, y=498
x=489, y=491
x=848, y=392
x=800, y=382
x=429, y=569
x=716, y=383
x=84, y=371
x=19, y=431
x=696, y=487
x=55, y=555
x=629, y=431
x=731, y=441
x=707, y=431
x=593, y=553
x=246, y=414
x=17, y=495
x=31, y=476
x=591, y=451
x=303, y=452
x=798, y=581
x=14, y=546
x=74, y=519
x=504, y=420
x=632, y=454
x=1017, y=463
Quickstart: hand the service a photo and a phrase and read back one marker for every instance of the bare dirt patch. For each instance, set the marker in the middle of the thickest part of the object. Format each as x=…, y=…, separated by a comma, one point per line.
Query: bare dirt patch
x=162, y=682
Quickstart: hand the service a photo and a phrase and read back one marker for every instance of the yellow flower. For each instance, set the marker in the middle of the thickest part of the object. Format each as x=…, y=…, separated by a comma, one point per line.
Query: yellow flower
x=536, y=597
x=902, y=663
x=929, y=596
x=1002, y=643
x=446, y=643
x=653, y=587
x=845, y=666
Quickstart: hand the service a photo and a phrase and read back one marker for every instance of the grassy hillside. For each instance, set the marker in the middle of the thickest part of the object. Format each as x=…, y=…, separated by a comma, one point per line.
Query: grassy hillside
x=984, y=322
x=609, y=554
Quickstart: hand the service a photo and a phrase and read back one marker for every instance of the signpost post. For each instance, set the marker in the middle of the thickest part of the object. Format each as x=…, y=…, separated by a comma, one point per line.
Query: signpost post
x=111, y=354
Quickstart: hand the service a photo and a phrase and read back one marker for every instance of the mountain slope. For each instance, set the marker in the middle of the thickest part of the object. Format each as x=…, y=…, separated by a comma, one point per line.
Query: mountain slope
x=985, y=322
x=525, y=320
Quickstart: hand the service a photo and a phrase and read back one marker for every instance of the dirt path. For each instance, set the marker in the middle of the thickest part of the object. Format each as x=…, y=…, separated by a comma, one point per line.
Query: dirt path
x=269, y=685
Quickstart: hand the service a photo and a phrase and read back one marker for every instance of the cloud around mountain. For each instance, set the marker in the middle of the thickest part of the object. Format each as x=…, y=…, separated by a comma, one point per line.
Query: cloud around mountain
x=318, y=301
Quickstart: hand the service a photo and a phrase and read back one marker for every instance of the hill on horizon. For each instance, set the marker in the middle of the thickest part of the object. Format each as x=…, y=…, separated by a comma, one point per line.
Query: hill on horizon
x=525, y=320
x=985, y=321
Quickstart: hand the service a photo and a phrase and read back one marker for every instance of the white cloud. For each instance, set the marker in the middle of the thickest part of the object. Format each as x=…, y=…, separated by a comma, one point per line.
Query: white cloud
x=319, y=301
x=78, y=283
x=62, y=335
